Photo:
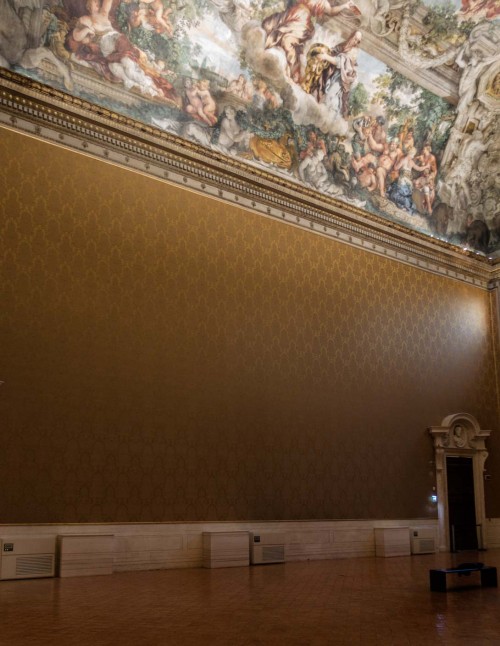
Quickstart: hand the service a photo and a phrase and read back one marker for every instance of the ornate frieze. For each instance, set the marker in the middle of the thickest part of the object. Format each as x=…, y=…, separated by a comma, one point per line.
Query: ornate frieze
x=347, y=106
x=37, y=110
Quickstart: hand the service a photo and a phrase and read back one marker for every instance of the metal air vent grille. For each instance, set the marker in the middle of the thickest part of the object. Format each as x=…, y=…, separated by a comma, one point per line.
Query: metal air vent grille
x=35, y=565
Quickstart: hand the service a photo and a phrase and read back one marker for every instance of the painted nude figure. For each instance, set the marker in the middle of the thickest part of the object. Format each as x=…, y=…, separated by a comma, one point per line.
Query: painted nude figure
x=160, y=16
x=386, y=162
x=122, y=58
x=199, y=102
x=232, y=136
x=207, y=101
x=402, y=190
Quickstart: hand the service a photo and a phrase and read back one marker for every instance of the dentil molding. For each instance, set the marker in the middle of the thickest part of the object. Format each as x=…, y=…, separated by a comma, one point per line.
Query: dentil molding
x=31, y=108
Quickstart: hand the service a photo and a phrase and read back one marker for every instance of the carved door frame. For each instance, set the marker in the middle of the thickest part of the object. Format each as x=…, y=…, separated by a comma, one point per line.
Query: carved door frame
x=459, y=435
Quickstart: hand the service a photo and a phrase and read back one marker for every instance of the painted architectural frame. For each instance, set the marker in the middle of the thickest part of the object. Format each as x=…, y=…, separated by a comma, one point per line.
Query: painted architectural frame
x=390, y=109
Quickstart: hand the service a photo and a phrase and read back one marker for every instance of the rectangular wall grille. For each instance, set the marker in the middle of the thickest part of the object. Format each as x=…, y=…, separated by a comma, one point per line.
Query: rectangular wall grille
x=36, y=565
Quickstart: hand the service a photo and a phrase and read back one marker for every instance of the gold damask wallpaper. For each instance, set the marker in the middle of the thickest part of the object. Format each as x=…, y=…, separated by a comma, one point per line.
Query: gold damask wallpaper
x=170, y=357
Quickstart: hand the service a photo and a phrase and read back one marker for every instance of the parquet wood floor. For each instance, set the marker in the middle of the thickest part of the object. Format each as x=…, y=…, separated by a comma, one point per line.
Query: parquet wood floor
x=368, y=601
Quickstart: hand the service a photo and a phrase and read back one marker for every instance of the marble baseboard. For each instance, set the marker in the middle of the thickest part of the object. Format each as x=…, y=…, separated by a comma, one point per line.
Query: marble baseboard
x=85, y=554
x=491, y=533
x=155, y=546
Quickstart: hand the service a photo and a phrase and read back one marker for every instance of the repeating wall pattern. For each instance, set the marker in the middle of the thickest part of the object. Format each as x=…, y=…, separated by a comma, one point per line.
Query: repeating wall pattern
x=391, y=106
x=168, y=357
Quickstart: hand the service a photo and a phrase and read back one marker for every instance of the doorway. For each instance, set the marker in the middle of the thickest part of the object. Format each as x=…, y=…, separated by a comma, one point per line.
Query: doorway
x=460, y=453
x=461, y=503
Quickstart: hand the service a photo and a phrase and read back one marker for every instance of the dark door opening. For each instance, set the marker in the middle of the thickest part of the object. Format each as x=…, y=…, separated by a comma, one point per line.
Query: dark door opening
x=461, y=504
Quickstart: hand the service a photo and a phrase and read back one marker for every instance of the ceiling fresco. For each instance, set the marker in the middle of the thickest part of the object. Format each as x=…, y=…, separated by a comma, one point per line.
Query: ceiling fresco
x=391, y=106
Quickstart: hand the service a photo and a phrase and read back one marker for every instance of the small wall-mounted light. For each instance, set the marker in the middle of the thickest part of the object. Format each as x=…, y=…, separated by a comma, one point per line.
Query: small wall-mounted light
x=434, y=498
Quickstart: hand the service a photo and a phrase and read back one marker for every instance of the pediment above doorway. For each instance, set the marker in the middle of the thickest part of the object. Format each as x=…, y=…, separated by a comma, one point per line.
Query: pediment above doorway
x=460, y=431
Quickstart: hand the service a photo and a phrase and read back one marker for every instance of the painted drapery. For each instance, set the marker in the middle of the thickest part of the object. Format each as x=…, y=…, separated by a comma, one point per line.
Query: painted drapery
x=294, y=88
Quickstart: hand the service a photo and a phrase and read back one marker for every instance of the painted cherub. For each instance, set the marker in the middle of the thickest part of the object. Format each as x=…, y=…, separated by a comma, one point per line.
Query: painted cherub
x=160, y=16
x=207, y=100
x=199, y=103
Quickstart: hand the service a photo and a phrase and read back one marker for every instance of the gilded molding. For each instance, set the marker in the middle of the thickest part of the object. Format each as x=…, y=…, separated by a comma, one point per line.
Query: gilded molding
x=37, y=110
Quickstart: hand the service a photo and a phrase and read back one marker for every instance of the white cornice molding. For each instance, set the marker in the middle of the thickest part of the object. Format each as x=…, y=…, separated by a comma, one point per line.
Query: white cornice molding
x=39, y=111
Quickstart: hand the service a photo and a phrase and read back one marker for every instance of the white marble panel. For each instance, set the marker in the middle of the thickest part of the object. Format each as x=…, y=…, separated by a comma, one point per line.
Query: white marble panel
x=85, y=555
x=305, y=538
x=491, y=529
x=150, y=546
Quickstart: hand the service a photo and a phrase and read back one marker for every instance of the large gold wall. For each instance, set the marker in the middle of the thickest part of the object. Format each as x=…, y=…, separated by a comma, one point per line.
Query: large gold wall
x=169, y=357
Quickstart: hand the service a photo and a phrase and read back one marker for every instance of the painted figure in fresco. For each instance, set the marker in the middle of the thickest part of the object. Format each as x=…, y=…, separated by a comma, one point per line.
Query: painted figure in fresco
x=208, y=104
x=426, y=158
x=477, y=9
x=95, y=40
x=159, y=17
x=386, y=163
x=114, y=56
x=357, y=165
x=155, y=70
x=192, y=102
x=198, y=102
x=402, y=190
x=240, y=88
x=125, y=42
x=313, y=142
x=312, y=171
x=291, y=28
x=232, y=136
x=96, y=21
x=137, y=16
x=376, y=136
x=367, y=178
x=227, y=134
x=407, y=139
x=263, y=97
x=360, y=125
x=338, y=162
x=331, y=73
x=424, y=193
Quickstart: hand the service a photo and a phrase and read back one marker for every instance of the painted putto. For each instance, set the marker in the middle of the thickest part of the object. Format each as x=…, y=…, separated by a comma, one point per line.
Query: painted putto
x=389, y=105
